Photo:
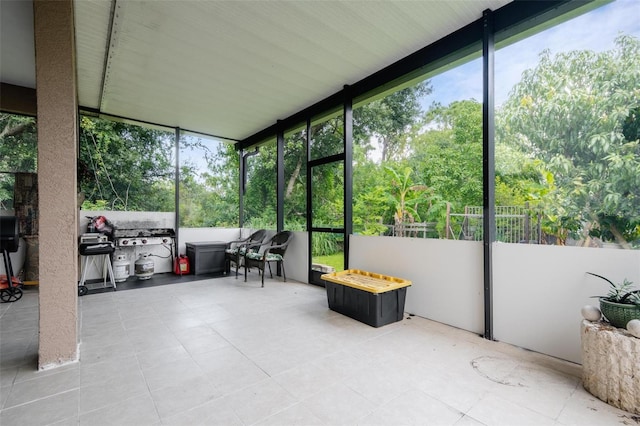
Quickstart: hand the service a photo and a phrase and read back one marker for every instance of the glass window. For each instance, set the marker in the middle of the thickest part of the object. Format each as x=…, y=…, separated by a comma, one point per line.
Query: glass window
x=260, y=187
x=18, y=154
x=295, y=180
x=125, y=167
x=208, y=183
x=327, y=136
x=567, y=150
x=327, y=252
x=328, y=195
x=418, y=158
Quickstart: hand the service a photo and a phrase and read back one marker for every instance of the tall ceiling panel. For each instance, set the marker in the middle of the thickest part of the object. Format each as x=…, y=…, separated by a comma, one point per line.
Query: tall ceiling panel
x=232, y=68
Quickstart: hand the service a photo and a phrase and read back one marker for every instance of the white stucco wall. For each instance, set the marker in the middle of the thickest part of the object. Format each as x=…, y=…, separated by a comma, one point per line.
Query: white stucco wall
x=446, y=275
x=297, y=257
x=539, y=291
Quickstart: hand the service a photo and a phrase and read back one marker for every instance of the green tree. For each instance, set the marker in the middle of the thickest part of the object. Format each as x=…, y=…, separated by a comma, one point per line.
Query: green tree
x=125, y=167
x=18, y=143
x=569, y=112
x=448, y=155
x=388, y=119
x=18, y=152
x=405, y=196
x=208, y=183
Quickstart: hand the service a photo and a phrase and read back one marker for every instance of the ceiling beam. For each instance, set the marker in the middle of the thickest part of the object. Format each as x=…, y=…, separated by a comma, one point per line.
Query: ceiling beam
x=18, y=99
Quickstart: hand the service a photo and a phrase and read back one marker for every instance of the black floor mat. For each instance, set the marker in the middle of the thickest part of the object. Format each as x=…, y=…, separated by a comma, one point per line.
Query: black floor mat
x=133, y=283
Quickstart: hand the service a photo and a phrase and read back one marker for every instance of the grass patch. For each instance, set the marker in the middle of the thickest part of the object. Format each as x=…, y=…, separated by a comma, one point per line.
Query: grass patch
x=335, y=260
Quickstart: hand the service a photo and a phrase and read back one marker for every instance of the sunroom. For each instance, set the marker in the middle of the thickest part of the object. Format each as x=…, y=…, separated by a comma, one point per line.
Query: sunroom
x=437, y=142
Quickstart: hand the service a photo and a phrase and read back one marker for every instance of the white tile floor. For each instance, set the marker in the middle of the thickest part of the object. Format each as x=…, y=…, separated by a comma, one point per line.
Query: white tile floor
x=226, y=352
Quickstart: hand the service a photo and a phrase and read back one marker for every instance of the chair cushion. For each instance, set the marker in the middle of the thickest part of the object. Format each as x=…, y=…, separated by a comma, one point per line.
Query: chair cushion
x=234, y=251
x=271, y=257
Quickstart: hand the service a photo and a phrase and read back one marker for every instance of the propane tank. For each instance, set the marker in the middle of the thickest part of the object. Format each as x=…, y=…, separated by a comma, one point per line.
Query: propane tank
x=144, y=266
x=121, y=268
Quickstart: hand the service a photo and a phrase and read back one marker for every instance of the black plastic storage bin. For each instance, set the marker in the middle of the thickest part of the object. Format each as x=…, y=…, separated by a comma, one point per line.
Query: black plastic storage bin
x=373, y=305
x=206, y=257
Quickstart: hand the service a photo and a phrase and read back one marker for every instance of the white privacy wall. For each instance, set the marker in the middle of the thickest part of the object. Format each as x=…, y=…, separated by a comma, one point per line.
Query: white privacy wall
x=446, y=275
x=538, y=292
x=297, y=258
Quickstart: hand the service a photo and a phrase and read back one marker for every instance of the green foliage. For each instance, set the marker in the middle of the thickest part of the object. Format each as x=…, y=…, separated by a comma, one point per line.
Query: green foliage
x=631, y=125
x=209, y=197
x=448, y=156
x=405, y=195
x=325, y=244
x=621, y=292
x=18, y=143
x=573, y=112
x=334, y=260
x=18, y=152
x=389, y=119
x=131, y=167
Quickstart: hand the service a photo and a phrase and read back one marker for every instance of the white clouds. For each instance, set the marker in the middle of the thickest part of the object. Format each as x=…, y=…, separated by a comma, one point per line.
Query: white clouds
x=595, y=31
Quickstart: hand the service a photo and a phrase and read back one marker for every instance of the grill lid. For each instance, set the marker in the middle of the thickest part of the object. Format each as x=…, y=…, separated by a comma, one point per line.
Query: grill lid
x=143, y=232
x=9, y=238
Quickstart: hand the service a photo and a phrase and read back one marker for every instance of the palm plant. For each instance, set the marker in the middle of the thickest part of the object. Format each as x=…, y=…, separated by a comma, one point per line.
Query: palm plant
x=406, y=196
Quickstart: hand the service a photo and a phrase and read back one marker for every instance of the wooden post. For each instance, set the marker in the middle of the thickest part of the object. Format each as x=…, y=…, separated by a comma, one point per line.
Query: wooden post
x=448, y=222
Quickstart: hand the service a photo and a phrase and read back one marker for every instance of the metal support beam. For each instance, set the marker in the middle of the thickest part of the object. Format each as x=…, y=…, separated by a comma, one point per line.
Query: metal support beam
x=280, y=181
x=177, y=186
x=309, y=202
x=243, y=179
x=18, y=100
x=348, y=172
x=241, y=184
x=488, y=168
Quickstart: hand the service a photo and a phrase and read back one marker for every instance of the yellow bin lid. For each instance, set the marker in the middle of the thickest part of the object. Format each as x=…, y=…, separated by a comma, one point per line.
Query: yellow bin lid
x=367, y=281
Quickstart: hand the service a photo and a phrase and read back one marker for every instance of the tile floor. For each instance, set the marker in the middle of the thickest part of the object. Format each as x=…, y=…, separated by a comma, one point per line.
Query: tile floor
x=221, y=351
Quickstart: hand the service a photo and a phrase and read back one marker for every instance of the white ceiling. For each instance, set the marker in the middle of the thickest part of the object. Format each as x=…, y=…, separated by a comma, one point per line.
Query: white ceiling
x=232, y=68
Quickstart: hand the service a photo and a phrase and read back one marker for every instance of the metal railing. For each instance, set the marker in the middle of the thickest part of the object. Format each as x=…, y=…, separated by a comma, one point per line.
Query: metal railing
x=514, y=224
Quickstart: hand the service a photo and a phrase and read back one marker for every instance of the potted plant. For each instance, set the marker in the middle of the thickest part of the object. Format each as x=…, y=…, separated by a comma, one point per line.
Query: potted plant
x=621, y=304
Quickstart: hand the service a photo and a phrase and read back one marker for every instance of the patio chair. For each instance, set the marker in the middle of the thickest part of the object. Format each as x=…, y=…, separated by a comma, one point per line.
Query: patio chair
x=236, y=249
x=274, y=250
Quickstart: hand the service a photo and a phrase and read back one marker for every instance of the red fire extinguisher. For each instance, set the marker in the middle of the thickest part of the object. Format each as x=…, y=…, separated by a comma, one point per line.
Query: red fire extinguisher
x=181, y=265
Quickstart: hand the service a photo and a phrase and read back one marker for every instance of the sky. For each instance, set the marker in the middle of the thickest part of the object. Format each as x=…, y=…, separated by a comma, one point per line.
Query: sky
x=595, y=31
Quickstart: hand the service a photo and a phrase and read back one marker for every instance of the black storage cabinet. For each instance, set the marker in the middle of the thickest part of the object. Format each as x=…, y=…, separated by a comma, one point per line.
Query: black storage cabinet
x=374, y=309
x=206, y=257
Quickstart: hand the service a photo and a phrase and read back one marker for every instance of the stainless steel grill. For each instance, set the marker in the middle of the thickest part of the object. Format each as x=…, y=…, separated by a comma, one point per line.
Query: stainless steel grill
x=143, y=237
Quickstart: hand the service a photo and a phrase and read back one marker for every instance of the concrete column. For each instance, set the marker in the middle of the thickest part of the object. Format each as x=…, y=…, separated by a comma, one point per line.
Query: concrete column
x=57, y=154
